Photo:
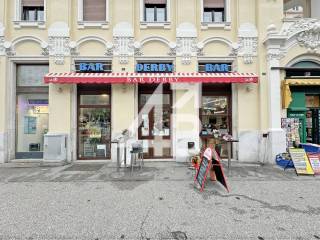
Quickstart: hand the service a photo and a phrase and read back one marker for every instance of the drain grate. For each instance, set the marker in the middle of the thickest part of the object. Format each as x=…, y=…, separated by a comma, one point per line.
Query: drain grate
x=84, y=167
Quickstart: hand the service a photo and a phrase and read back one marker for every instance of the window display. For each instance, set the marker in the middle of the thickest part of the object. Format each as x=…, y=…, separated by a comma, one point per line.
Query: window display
x=215, y=120
x=94, y=126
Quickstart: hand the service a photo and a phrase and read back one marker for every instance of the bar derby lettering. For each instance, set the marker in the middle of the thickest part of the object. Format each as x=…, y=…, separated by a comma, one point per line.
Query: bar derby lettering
x=93, y=67
x=154, y=67
x=152, y=79
x=217, y=67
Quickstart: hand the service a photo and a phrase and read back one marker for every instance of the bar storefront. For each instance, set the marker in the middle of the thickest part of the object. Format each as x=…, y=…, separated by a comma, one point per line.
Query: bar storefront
x=154, y=110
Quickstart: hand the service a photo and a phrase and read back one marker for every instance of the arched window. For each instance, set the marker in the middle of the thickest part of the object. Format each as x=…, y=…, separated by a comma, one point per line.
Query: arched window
x=296, y=8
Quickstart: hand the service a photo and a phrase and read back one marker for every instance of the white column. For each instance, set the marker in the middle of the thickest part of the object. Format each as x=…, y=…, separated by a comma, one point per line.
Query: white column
x=276, y=138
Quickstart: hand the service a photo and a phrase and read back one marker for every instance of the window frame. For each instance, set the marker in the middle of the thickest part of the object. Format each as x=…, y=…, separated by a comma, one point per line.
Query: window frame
x=84, y=24
x=19, y=22
x=226, y=23
x=145, y=24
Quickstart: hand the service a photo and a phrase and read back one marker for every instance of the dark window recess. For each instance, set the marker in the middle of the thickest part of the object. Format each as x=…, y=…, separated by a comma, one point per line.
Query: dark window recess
x=155, y=13
x=32, y=13
x=302, y=72
x=38, y=101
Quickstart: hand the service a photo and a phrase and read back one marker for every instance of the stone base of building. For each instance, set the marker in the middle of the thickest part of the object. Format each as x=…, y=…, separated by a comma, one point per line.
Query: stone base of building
x=248, y=150
x=3, y=147
x=276, y=144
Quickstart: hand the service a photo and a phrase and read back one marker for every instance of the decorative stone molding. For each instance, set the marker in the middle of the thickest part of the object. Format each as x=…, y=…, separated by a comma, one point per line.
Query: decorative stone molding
x=59, y=41
x=186, y=42
x=305, y=31
x=275, y=54
x=248, y=42
x=123, y=42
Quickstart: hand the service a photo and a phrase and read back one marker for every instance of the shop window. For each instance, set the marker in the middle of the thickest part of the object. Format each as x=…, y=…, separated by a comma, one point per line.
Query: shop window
x=94, y=122
x=32, y=112
x=214, y=11
x=297, y=9
x=32, y=10
x=93, y=10
x=155, y=11
x=215, y=116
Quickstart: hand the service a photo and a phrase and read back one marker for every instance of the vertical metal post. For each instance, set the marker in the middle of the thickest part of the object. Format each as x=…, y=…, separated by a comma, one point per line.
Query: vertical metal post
x=118, y=156
x=229, y=153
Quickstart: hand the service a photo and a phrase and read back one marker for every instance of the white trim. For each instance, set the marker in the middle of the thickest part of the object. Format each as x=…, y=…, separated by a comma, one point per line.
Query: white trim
x=19, y=23
x=92, y=24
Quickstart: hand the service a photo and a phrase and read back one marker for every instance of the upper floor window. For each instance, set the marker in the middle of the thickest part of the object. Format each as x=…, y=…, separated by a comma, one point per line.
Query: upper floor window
x=214, y=11
x=297, y=8
x=155, y=10
x=32, y=10
x=92, y=10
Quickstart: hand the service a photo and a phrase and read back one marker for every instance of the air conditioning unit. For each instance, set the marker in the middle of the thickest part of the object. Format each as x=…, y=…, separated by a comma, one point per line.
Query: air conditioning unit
x=55, y=148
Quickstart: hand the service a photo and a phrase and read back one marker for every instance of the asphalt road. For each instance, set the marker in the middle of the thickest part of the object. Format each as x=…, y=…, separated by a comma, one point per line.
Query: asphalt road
x=159, y=203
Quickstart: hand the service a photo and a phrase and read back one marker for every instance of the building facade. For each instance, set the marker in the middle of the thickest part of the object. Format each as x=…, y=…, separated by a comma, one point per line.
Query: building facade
x=84, y=47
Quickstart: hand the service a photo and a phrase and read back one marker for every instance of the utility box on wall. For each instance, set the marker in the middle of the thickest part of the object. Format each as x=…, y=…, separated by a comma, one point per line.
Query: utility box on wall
x=55, y=148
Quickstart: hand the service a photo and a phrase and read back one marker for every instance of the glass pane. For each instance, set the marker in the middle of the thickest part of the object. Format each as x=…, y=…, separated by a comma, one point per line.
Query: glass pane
x=32, y=122
x=31, y=75
x=161, y=125
x=103, y=99
x=207, y=17
x=94, y=132
x=218, y=16
x=214, y=105
x=154, y=99
x=150, y=14
x=161, y=14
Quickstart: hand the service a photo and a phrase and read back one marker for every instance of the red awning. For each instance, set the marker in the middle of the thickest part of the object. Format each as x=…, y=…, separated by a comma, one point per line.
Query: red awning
x=95, y=78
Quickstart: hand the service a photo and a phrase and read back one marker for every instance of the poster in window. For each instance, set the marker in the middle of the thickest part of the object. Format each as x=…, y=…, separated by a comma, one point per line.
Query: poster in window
x=30, y=125
x=145, y=125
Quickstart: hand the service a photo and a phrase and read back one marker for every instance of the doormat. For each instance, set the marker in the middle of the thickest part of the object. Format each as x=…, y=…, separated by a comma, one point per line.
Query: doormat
x=84, y=167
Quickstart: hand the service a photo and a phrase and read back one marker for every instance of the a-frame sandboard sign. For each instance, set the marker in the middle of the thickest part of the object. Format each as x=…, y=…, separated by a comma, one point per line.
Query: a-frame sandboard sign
x=210, y=159
x=204, y=168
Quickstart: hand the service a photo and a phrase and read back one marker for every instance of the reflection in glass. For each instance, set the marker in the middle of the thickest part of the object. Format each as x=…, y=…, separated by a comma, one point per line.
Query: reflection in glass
x=102, y=99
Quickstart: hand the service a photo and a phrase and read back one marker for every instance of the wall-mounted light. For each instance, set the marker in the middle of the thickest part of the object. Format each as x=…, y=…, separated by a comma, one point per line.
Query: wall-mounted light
x=249, y=88
x=60, y=90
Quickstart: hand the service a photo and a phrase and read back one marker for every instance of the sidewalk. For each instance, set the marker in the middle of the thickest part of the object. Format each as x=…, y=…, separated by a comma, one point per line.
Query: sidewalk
x=152, y=171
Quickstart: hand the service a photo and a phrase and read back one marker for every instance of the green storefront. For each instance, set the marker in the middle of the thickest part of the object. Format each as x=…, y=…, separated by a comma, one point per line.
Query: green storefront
x=304, y=81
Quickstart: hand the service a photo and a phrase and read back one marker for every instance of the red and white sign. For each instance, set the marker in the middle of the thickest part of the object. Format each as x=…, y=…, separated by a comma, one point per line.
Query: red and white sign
x=96, y=78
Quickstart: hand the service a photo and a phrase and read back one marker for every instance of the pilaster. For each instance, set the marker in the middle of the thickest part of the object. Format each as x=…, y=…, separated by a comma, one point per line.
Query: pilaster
x=276, y=137
x=3, y=71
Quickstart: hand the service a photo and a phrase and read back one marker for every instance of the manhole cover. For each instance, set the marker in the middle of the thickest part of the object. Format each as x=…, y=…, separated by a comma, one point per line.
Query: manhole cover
x=84, y=167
